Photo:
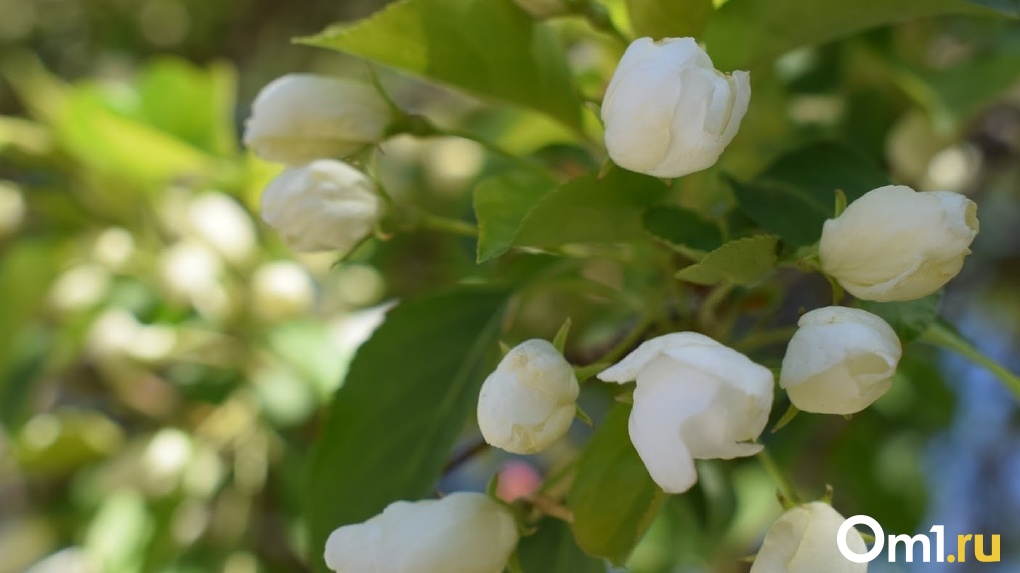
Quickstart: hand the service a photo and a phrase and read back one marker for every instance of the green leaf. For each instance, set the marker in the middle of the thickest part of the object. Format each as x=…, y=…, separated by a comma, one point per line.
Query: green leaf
x=963, y=91
x=679, y=227
x=195, y=105
x=490, y=48
x=910, y=319
x=119, y=145
x=743, y=261
x=797, y=193
x=591, y=210
x=613, y=498
x=747, y=34
x=501, y=203
x=99, y=126
x=584, y=210
x=669, y=18
x=24, y=135
x=410, y=391
x=553, y=550
x=27, y=269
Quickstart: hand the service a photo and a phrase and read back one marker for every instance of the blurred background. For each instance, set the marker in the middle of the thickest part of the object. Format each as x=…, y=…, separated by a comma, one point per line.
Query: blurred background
x=164, y=360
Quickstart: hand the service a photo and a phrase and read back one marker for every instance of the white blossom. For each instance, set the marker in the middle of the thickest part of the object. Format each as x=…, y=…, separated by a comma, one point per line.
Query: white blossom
x=897, y=244
x=528, y=402
x=668, y=111
x=695, y=399
x=298, y=118
x=460, y=533
x=324, y=205
x=839, y=361
x=803, y=540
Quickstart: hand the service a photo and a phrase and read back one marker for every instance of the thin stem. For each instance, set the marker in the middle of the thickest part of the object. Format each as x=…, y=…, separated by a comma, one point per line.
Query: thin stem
x=706, y=314
x=372, y=168
x=549, y=506
x=941, y=336
x=447, y=225
x=786, y=489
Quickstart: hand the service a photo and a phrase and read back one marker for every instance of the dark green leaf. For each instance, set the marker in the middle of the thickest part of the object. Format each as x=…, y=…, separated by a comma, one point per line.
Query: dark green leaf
x=746, y=34
x=490, y=48
x=669, y=18
x=908, y=318
x=553, y=550
x=584, y=210
x=682, y=228
x=409, y=392
x=797, y=193
x=743, y=261
x=613, y=498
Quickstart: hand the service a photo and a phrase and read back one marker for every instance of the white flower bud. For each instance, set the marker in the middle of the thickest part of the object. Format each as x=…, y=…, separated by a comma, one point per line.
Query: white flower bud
x=462, y=533
x=803, y=540
x=695, y=399
x=528, y=402
x=542, y=9
x=301, y=117
x=839, y=361
x=324, y=205
x=668, y=111
x=897, y=244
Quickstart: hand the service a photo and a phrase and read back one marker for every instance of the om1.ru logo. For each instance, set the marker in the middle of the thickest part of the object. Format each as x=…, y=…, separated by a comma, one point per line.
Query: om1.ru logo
x=908, y=543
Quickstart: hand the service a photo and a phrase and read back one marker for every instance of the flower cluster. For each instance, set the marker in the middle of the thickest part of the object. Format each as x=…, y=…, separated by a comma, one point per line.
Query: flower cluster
x=318, y=203
x=667, y=113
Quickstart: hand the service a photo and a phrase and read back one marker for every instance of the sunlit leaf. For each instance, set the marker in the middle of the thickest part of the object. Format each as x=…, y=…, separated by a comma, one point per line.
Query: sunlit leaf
x=194, y=104
x=490, y=48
